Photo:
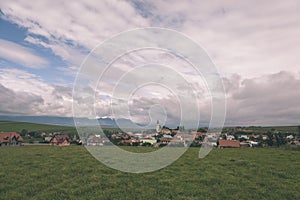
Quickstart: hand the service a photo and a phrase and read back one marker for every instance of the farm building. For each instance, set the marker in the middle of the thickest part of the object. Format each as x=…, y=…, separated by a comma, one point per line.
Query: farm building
x=96, y=140
x=148, y=140
x=10, y=139
x=60, y=140
x=47, y=139
x=229, y=144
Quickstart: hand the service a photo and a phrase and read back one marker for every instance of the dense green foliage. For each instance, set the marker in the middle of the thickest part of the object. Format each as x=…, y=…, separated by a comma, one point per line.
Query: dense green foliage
x=47, y=172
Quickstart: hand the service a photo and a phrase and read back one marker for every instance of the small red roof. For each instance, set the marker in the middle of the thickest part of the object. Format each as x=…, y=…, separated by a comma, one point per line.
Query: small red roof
x=229, y=143
x=61, y=138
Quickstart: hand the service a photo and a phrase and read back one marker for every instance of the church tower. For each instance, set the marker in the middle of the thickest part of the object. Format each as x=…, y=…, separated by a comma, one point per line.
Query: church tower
x=158, y=128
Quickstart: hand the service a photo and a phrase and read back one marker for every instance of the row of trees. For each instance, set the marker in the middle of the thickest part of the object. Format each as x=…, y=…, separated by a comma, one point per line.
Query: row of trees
x=277, y=139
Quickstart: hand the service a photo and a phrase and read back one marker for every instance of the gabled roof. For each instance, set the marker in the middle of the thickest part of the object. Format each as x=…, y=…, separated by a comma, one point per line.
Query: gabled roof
x=95, y=139
x=229, y=143
x=8, y=136
x=61, y=138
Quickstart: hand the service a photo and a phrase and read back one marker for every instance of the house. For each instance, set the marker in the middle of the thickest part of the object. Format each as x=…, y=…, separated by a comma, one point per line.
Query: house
x=230, y=137
x=166, y=130
x=123, y=136
x=138, y=135
x=229, y=144
x=213, y=144
x=200, y=136
x=244, y=144
x=252, y=143
x=10, y=139
x=60, y=140
x=175, y=131
x=290, y=137
x=47, y=139
x=249, y=143
x=265, y=137
x=148, y=140
x=210, y=140
x=255, y=136
x=213, y=135
x=245, y=137
x=166, y=139
x=96, y=140
x=129, y=142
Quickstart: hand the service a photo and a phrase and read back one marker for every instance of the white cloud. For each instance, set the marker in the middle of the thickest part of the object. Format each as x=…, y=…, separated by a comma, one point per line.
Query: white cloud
x=71, y=29
x=27, y=94
x=249, y=38
x=30, y=95
x=266, y=100
x=245, y=37
x=21, y=55
x=17, y=103
x=250, y=42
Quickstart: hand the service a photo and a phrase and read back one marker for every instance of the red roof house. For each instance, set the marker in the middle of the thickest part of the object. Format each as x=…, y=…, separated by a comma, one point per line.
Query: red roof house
x=60, y=140
x=10, y=139
x=229, y=144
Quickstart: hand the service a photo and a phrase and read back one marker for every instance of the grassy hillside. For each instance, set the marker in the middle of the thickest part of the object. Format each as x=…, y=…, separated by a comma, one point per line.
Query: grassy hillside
x=32, y=172
x=293, y=129
x=18, y=126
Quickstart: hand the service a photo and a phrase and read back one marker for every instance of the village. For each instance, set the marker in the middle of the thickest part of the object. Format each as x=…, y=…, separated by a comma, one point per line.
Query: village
x=236, y=137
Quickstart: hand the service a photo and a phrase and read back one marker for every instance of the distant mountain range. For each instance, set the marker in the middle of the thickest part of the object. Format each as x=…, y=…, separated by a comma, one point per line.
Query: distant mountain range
x=69, y=121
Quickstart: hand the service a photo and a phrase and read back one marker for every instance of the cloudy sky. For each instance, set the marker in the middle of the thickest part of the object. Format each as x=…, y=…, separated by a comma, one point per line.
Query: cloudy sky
x=255, y=46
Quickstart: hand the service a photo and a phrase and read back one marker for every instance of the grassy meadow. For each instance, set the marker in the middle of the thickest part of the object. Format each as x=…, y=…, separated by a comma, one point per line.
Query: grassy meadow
x=18, y=126
x=259, y=129
x=47, y=172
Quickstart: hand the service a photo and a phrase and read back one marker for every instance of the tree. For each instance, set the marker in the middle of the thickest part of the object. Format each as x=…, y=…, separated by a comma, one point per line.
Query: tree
x=202, y=130
x=283, y=140
x=270, y=138
x=24, y=132
x=277, y=139
x=224, y=137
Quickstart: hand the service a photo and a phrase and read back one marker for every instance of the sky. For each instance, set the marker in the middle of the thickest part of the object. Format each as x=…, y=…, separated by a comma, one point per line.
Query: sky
x=255, y=46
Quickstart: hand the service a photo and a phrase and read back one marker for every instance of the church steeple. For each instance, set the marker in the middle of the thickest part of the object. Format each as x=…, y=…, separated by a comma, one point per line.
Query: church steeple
x=158, y=128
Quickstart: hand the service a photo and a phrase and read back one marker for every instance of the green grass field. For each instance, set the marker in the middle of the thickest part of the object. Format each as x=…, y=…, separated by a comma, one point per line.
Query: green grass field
x=45, y=172
x=18, y=126
x=290, y=129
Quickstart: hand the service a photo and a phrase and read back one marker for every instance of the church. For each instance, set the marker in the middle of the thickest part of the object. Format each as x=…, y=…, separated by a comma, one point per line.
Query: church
x=164, y=129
